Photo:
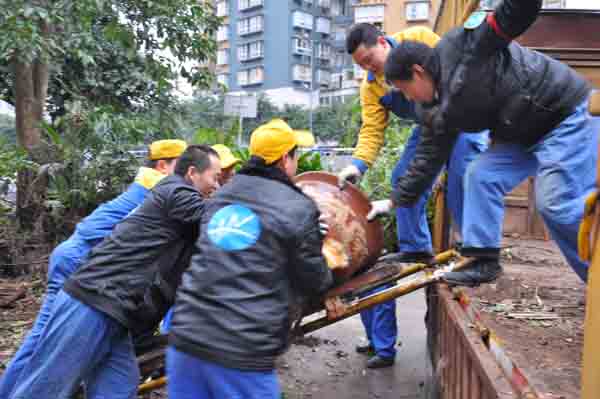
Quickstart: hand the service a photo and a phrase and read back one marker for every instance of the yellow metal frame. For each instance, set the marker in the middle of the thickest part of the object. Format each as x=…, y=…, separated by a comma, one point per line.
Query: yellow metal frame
x=590, y=375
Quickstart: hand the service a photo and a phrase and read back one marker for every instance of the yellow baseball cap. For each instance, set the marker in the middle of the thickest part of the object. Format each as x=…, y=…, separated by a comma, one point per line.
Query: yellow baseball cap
x=164, y=149
x=273, y=140
x=225, y=155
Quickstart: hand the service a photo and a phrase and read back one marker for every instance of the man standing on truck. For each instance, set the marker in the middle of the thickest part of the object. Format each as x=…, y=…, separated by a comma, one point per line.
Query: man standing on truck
x=477, y=78
x=70, y=254
x=259, y=248
x=369, y=49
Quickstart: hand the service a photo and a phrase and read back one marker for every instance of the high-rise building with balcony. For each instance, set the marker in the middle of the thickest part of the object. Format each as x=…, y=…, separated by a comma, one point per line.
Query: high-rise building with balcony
x=283, y=48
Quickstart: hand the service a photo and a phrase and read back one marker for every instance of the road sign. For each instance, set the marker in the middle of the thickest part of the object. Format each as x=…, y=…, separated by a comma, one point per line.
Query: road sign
x=242, y=105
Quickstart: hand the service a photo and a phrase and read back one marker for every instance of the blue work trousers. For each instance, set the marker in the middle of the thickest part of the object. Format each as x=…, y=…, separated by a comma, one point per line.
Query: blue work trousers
x=564, y=166
x=413, y=230
x=380, y=325
x=64, y=260
x=193, y=378
x=79, y=344
x=411, y=223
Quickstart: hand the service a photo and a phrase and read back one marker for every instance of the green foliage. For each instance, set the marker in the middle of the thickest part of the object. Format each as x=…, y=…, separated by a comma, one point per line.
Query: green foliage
x=309, y=162
x=8, y=130
x=339, y=122
x=94, y=160
x=377, y=181
x=123, y=53
x=12, y=160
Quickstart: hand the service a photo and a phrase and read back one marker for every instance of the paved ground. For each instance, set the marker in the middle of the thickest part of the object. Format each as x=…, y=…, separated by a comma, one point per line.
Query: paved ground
x=324, y=365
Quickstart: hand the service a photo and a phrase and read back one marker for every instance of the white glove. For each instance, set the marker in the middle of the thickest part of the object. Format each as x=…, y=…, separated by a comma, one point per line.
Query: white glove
x=378, y=208
x=349, y=174
x=323, y=225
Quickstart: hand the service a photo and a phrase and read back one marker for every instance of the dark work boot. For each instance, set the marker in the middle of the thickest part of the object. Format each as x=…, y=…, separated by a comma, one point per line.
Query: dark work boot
x=366, y=349
x=407, y=257
x=378, y=362
x=480, y=272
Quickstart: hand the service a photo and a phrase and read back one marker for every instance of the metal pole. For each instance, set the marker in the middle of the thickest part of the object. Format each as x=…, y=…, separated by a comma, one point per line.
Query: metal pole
x=240, y=128
x=383, y=296
x=590, y=374
x=312, y=79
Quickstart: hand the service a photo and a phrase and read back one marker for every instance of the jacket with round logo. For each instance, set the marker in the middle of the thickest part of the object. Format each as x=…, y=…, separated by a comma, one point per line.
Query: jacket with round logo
x=259, y=246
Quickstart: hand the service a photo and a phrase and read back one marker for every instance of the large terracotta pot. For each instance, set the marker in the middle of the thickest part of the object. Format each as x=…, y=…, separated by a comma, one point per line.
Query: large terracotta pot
x=352, y=243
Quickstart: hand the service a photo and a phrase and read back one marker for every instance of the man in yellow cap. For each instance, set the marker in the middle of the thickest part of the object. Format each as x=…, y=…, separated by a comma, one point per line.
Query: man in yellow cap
x=69, y=255
x=259, y=246
x=228, y=163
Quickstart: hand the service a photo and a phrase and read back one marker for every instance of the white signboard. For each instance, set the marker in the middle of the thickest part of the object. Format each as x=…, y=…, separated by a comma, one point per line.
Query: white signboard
x=240, y=105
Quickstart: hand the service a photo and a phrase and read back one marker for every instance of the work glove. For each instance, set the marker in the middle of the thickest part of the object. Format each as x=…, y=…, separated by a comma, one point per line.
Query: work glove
x=349, y=174
x=379, y=208
x=323, y=225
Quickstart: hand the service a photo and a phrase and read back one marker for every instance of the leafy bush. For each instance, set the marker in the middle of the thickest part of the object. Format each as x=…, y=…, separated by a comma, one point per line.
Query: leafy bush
x=95, y=161
x=377, y=181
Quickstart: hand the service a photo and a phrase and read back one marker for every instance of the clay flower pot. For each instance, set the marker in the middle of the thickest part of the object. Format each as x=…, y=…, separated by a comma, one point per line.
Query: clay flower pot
x=352, y=243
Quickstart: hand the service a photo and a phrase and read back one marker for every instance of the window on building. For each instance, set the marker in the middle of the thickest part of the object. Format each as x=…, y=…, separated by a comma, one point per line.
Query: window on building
x=250, y=76
x=251, y=51
x=222, y=9
x=302, y=20
x=247, y=4
x=417, y=10
x=323, y=50
x=243, y=53
x=222, y=33
x=255, y=75
x=301, y=73
x=323, y=25
x=338, y=7
x=323, y=77
x=339, y=60
x=242, y=78
x=339, y=33
x=370, y=14
x=256, y=49
x=302, y=46
x=222, y=57
x=250, y=25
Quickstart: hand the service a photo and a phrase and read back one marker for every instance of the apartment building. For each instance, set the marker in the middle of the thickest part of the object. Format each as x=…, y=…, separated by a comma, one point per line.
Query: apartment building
x=283, y=48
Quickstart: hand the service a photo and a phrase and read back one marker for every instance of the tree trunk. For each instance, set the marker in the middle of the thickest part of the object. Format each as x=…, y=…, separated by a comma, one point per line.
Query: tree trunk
x=31, y=88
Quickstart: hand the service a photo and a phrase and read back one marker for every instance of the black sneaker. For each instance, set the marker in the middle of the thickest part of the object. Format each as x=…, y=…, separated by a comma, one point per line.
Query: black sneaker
x=365, y=348
x=378, y=362
x=407, y=257
x=480, y=272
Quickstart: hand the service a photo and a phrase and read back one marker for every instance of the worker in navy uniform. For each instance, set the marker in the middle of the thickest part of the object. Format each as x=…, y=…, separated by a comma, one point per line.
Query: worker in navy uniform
x=259, y=248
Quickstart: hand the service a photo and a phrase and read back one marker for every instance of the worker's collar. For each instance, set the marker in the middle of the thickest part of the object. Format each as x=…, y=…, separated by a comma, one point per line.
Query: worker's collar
x=371, y=77
x=148, y=177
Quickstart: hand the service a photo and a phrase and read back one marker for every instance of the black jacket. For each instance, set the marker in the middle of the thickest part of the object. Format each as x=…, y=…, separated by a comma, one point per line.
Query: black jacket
x=484, y=81
x=132, y=275
x=259, y=245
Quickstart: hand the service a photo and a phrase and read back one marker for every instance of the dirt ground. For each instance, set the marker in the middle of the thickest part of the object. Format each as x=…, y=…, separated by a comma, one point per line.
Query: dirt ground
x=537, y=309
x=536, y=284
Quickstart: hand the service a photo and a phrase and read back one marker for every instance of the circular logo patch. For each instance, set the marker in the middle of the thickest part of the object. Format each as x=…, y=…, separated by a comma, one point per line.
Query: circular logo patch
x=234, y=228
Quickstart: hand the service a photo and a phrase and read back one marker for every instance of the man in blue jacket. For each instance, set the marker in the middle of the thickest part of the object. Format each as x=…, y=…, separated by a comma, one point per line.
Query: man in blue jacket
x=123, y=288
x=70, y=254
